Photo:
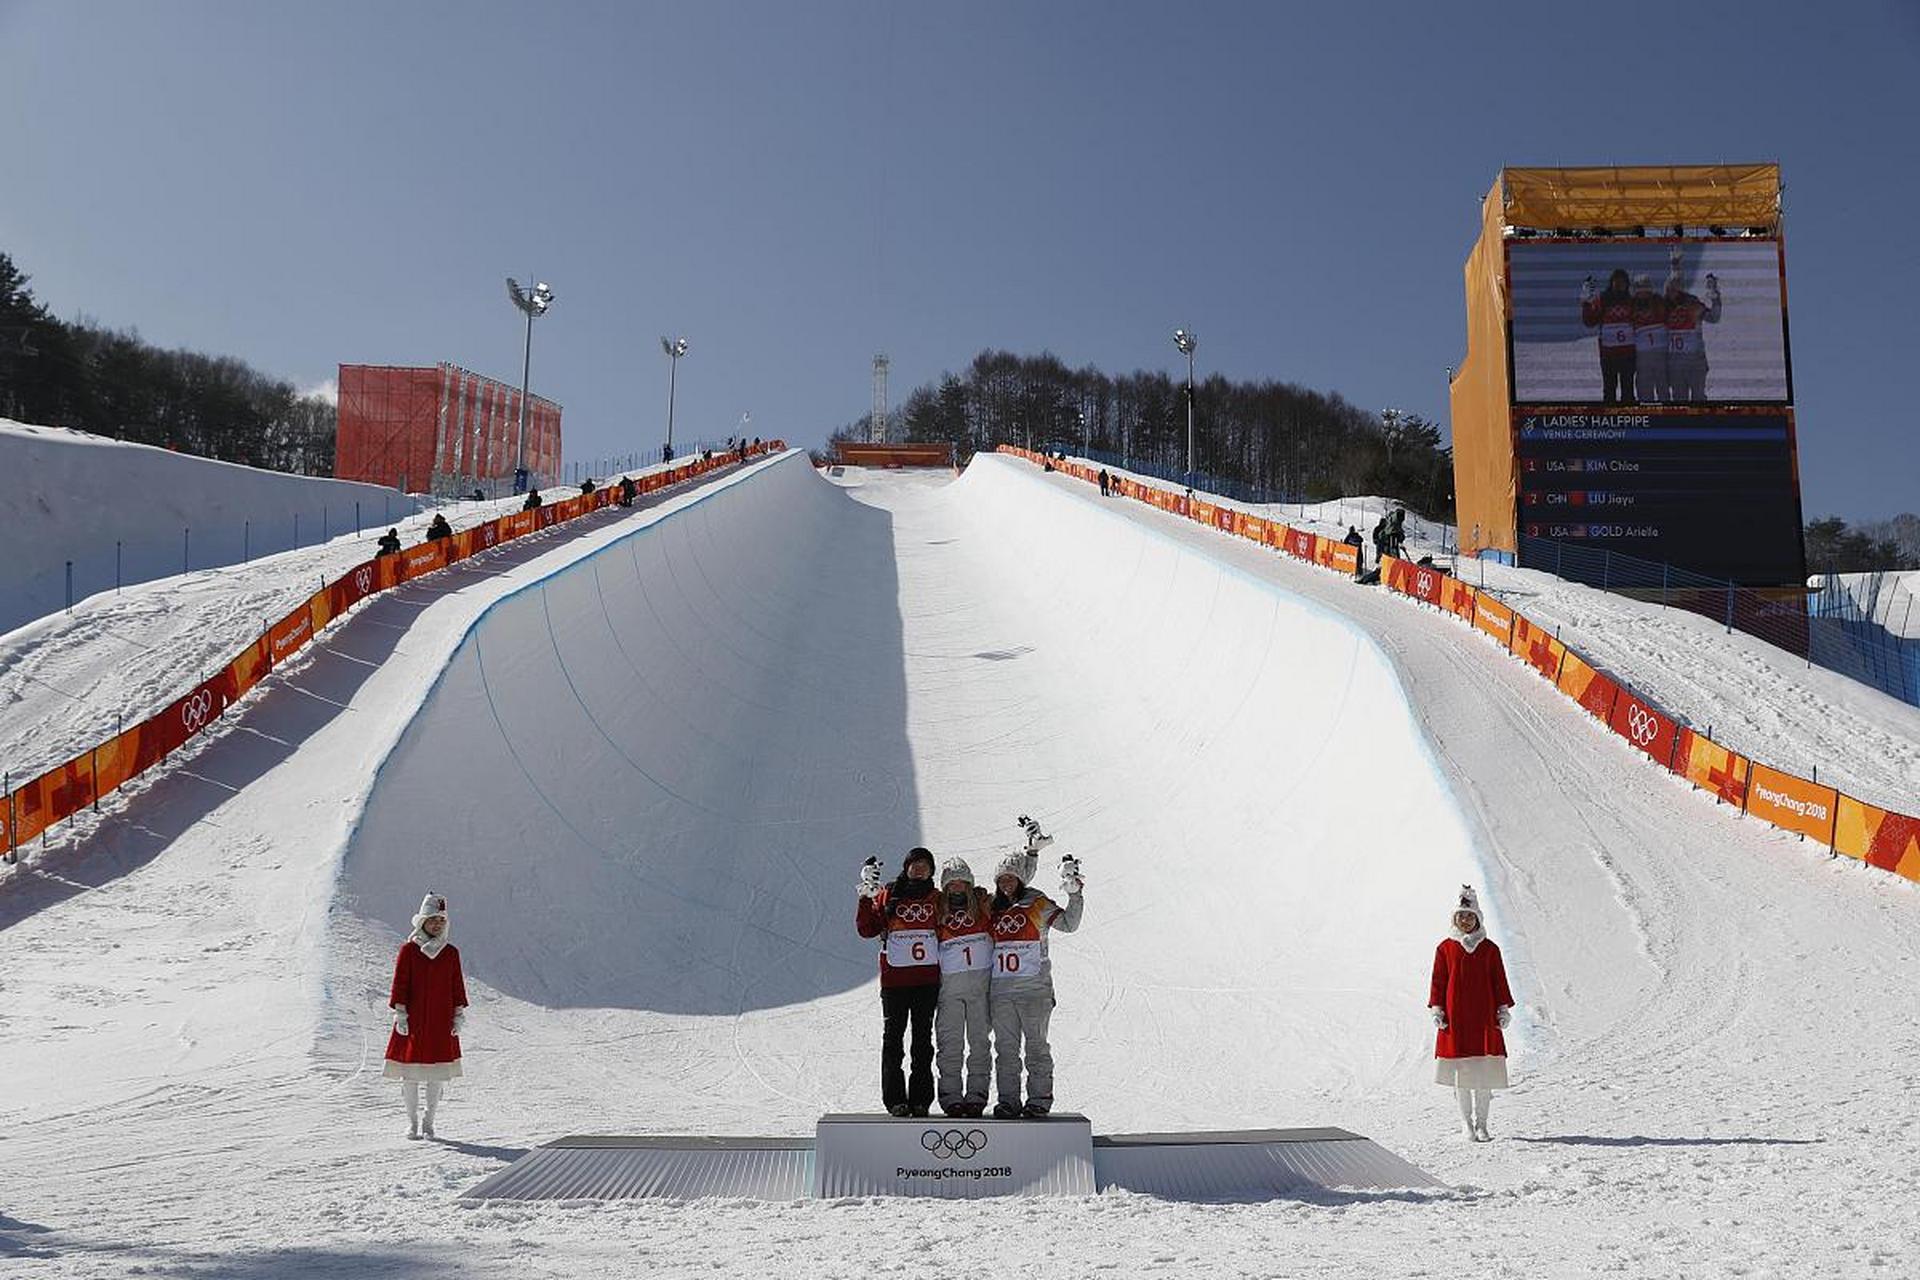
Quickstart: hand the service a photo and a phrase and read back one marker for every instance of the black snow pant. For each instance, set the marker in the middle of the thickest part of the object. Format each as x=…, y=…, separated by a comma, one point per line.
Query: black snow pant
x=904, y=1004
x=1616, y=378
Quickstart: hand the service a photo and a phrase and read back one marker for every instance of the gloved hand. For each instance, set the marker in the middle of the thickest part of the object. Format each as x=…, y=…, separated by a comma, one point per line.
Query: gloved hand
x=1504, y=1015
x=1070, y=882
x=399, y=1020
x=870, y=878
x=459, y=1019
x=1586, y=289
x=1439, y=1016
x=1713, y=285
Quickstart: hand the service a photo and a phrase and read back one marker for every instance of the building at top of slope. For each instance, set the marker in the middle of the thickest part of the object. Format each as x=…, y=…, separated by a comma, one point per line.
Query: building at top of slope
x=440, y=429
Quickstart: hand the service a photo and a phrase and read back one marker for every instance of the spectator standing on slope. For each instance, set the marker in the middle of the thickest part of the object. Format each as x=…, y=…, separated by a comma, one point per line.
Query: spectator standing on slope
x=389, y=543
x=439, y=528
x=1354, y=540
x=1470, y=1004
x=627, y=491
x=533, y=501
x=1020, y=994
x=429, y=1003
x=960, y=1029
x=901, y=915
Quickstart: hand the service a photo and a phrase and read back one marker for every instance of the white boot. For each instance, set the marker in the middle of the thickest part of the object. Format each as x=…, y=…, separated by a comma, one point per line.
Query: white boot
x=1464, y=1096
x=410, y=1092
x=433, y=1103
x=1482, y=1100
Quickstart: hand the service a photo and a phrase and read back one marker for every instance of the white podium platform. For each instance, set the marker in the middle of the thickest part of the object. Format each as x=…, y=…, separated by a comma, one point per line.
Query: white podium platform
x=861, y=1155
x=945, y=1158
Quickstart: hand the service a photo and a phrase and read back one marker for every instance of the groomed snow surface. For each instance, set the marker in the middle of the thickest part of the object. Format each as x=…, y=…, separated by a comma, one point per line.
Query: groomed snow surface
x=644, y=765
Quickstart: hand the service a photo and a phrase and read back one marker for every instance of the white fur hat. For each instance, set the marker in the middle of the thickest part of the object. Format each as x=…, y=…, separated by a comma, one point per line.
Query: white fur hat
x=431, y=905
x=955, y=868
x=1469, y=901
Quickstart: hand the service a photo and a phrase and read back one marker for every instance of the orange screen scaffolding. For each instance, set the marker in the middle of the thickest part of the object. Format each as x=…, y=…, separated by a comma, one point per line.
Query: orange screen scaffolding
x=439, y=429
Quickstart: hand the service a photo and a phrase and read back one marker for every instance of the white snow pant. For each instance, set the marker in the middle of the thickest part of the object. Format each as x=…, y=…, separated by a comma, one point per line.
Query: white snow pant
x=1019, y=1013
x=1474, y=1104
x=410, y=1090
x=1650, y=375
x=960, y=1024
x=1687, y=376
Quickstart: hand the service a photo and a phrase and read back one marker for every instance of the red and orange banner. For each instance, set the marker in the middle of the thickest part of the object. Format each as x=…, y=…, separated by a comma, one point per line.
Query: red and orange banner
x=1792, y=803
x=1711, y=767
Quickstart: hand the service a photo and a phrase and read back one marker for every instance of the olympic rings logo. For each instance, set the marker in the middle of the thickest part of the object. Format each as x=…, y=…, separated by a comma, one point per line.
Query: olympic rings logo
x=913, y=912
x=959, y=920
x=363, y=580
x=1011, y=923
x=954, y=1144
x=195, y=710
x=1425, y=584
x=1644, y=728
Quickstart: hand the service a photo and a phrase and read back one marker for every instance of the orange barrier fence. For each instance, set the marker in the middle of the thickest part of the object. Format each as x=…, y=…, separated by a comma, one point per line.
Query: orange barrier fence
x=1879, y=837
x=67, y=788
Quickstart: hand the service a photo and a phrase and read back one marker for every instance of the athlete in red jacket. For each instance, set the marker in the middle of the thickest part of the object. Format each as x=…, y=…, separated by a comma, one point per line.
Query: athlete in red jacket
x=902, y=916
x=1612, y=314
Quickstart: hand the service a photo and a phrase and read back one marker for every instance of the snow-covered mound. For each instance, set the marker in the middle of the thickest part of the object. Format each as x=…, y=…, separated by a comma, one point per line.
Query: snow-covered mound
x=72, y=496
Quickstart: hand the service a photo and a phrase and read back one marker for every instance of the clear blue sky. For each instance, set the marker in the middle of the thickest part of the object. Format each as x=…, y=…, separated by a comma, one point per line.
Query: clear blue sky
x=796, y=186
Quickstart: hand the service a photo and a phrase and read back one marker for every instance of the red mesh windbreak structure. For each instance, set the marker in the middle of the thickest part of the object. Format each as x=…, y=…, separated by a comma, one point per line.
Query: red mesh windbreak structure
x=439, y=428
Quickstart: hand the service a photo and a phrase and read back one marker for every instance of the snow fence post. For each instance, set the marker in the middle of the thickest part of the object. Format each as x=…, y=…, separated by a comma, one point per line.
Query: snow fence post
x=6, y=780
x=356, y=519
x=116, y=566
x=69, y=586
x=246, y=542
x=186, y=545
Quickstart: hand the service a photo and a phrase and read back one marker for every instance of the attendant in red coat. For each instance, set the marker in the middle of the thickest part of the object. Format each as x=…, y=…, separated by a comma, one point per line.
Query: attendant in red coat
x=1470, y=1004
x=429, y=1003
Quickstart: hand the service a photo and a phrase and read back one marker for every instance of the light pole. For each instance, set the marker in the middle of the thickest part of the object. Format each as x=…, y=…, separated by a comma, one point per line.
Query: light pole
x=675, y=348
x=1184, y=339
x=1086, y=437
x=534, y=302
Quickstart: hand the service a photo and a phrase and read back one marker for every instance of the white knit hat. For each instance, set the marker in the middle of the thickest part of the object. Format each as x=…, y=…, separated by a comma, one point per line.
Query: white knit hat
x=1468, y=901
x=1017, y=864
x=955, y=868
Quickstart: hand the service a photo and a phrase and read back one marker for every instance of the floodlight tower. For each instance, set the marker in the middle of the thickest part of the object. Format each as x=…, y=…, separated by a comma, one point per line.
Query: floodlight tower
x=534, y=302
x=1184, y=339
x=877, y=428
x=675, y=348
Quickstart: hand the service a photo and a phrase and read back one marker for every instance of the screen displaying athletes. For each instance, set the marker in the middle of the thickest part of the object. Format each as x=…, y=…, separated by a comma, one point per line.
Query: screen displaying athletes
x=1630, y=321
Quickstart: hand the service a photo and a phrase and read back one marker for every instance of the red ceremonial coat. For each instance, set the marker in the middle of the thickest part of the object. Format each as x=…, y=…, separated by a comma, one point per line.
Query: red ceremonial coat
x=1471, y=986
x=430, y=990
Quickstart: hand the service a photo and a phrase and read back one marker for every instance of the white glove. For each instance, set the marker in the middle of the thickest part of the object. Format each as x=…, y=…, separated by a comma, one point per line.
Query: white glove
x=399, y=1020
x=1504, y=1015
x=1439, y=1016
x=870, y=878
x=460, y=1019
x=1586, y=289
x=1070, y=882
x=1713, y=285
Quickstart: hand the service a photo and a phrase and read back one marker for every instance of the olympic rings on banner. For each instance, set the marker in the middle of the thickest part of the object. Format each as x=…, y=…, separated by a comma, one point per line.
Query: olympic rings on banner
x=195, y=710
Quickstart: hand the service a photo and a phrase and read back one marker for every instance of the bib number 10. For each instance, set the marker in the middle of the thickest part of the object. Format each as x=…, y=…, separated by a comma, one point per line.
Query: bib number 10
x=1007, y=961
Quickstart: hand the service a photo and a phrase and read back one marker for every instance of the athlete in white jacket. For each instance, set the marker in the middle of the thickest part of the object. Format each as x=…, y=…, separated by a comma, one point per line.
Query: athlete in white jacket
x=1020, y=994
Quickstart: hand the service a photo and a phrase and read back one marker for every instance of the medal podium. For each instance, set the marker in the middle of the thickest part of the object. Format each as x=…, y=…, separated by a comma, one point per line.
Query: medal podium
x=943, y=1157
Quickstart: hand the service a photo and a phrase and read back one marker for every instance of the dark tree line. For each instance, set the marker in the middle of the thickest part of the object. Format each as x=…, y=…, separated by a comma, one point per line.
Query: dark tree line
x=1276, y=436
x=79, y=374
x=1833, y=546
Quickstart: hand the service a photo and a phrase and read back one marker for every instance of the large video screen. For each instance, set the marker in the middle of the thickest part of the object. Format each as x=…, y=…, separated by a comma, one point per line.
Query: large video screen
x=1629, y=321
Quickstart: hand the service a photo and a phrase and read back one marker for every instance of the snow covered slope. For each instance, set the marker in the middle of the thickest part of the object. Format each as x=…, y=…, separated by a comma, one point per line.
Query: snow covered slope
x=72, y=495
x=644, y=767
